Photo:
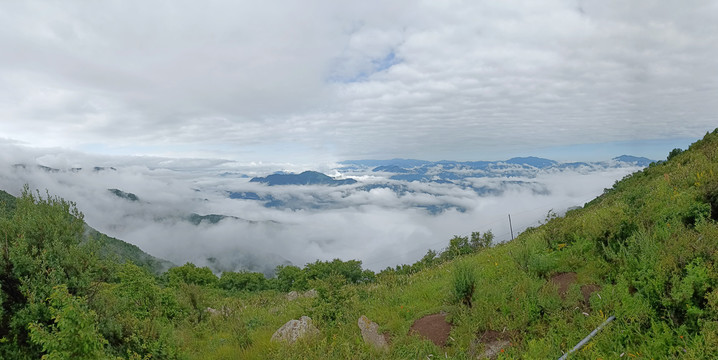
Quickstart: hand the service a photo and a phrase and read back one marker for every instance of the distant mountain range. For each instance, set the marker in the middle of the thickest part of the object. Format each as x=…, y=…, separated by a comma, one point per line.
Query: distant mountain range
x=403, y=165
x=305, y=178
x=403, y=176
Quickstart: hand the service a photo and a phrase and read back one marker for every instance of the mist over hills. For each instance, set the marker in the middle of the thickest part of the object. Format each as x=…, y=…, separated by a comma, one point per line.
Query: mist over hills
x=230, y=216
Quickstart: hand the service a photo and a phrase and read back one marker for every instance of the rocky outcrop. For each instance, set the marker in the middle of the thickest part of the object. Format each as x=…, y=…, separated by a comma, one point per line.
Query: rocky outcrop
x=294, y=330
x=370, y=333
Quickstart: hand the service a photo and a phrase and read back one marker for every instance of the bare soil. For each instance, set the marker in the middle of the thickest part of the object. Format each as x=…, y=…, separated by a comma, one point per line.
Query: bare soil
x=433, y=327
x=563, y=281
x=589, y=289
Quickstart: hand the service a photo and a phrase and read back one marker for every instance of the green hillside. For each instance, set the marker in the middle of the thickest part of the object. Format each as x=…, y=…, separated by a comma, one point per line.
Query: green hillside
x=107, y=247
x=643, y=252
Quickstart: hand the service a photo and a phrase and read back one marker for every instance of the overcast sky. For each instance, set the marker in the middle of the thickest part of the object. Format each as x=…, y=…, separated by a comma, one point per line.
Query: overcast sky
x=333, y=80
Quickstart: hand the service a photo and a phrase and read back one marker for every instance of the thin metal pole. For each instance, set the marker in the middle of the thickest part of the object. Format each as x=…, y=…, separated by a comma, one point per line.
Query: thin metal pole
x=587, y=338
x=511, y=227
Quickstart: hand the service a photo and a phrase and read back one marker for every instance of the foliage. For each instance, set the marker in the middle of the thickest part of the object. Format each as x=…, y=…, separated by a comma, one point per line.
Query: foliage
x=41, y=249
x=191, y=274
x=479, y=241
x=250, y=281
x=675, y=152
x=74, y=333
x=136, y=314
x=463, y=284
x=332, y=302
x=290, y=277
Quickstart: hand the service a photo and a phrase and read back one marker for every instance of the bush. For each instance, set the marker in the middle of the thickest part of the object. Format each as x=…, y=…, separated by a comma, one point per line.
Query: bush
x=463, y=284
x=250, y=281
x=191, y=274
x=41, y=249
x=333, y=300
x=479, y=241
x=73, y=334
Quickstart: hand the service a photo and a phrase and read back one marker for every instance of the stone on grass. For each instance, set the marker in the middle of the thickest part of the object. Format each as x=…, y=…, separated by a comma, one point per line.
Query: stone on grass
x=370, y=333
x=292, y=295
x=294, y=330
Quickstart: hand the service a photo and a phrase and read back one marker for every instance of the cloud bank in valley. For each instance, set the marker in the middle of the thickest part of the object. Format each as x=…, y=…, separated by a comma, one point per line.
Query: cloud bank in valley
x=375, y=224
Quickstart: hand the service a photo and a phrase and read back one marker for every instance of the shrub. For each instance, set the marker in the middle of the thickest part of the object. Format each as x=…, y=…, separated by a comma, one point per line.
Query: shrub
x=333, y=300
x=73, y=334
x=191, y=274
x=463, y=284
x=479, y=241
x=250, y=281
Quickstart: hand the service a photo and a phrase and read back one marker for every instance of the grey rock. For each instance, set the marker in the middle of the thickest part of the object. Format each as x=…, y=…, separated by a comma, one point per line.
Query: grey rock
x=294, y=330
x=292, y=295
x=370, y=333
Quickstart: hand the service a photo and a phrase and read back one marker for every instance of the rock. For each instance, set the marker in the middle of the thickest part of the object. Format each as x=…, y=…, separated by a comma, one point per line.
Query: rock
x=292, y=295
x=213, y=311
x=294, y=330
x=310, y=293
x=370, y=333
x=224, y=311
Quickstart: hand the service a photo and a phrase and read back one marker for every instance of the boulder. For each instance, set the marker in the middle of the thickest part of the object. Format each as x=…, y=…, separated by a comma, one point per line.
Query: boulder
x=294, y=330
x=292, y=295
x=370, y=333
x=224, y=311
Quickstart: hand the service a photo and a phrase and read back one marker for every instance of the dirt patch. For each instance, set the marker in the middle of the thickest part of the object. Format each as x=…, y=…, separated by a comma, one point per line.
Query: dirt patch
x=563, y=281
x=589, y=289
x=433, y=327
x=493, y=343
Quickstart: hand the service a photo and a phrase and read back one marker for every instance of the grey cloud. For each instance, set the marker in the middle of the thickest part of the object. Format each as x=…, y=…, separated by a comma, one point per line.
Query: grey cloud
x=466, y=78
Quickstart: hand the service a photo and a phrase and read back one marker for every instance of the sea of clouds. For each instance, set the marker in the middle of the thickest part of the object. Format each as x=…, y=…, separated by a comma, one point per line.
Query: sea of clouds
x=380, y=227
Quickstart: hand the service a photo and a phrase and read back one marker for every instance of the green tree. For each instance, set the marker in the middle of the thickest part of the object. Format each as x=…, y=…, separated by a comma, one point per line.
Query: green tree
x=191, y=274
x=73, y=333
x=136, y=315
x=290, y=277
x=458, y=245
x=250, y=281
x=479, y=241
x=675, y=152
x=40, y=248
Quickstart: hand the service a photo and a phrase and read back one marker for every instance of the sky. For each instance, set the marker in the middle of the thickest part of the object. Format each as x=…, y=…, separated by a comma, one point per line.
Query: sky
x=323, y=81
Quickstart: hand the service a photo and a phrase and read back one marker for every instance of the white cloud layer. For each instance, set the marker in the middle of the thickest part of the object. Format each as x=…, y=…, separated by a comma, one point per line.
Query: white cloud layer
x=379, y=226
x=318, y=81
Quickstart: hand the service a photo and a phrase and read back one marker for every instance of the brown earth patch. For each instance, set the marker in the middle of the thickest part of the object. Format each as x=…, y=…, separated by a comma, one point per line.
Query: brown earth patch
x=589, y=289
x=433, y=327
x=563, y=281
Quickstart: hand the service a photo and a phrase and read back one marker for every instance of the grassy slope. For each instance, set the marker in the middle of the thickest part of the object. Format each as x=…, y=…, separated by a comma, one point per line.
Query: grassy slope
x=648, y=242
x=108, y=247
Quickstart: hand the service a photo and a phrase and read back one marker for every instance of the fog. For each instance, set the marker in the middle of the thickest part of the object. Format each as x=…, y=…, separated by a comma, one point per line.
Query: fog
x=377, y=225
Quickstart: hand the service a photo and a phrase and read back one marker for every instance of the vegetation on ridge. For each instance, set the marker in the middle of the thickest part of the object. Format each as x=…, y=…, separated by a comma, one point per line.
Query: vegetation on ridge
x=645, y=251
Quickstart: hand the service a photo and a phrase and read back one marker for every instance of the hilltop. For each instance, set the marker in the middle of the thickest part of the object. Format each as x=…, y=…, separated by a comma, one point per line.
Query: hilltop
x=644, y=251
